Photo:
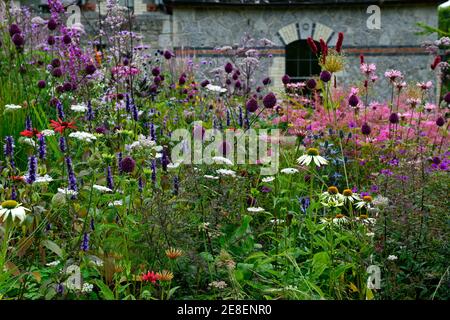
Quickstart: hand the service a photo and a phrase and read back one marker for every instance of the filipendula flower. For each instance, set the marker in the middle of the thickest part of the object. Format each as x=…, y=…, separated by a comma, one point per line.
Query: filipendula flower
x=312, y=154
x=14, y=209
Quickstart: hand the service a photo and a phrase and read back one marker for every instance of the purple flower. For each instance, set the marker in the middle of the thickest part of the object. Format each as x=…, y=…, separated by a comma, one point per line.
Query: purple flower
x=374, y=188
x=140, y=185
x=353, y=100
x=42, y=147
x=286, y=79
x=13, y=193
x=59, y=109
x=365, y=129
x=127, y=164
x=32, y=170
x=311, y=84
x=57, y=72
x=447, y=97
x=204, y=83
x=386, y=172
x=252, y=105
x=168, y=54
x=51, y=40
x=228, y=68
x=55, y=63
x=154, y=171
x=176, y=185
x=52, y=24
x=393, y=118
x=304, y=203
x=241, y=118
x=14, y=29
x=41, y=84
x=71, y=175
x=62, y=144
x=265, y=189
x=440, y=121
x=109, y=178
x=325, y=76
x=266, y=81
x=18, y=40
x=90, y=69
x=89, y=112
x=152, y=132
x=156, y=71
x=28, y=123
x=8, y=148
x=85, y=243
x=67, y=39
x=270, y=100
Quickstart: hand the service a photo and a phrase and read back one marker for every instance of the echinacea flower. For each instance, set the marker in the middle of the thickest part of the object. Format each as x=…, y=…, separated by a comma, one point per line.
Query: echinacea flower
x=173, y=253
x=340, y=219
x=365, y=203
x=312, y=154
x=60, y=126
x=14, y=209
x=349, y=196
x=165, y=276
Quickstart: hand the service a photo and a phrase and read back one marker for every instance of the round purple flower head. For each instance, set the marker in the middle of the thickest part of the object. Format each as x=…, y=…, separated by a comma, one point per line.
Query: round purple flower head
x=266, y=81
x=447, y=97
x=393, y=118
x=41, y=84
x=168, y=54
x=228, y=68
x=90, y=69
x=270, y=100
x=18, y=40
x=52, y=24
x=14, y=29
x=440, y=121
x=325, y=76
x=51, y=40
x=204, y=83
x=67, y=39
x=156, y=71
x=353, y=100
x=286, y=79
x=311, y=84
x=127, y=164
x=365, y=129
x=57, y=72
x=252, y=105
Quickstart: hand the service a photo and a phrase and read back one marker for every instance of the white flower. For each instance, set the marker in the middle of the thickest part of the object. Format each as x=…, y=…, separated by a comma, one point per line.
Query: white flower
x=392, y=257
x=207, y=176
x=370, y=234
x=349, y=196
x=381, y=202
x=255, y=209
x=79, y=107
x=67, y=191
x=173, y=165
x=218, y=284
x=143, y=142
x=83, y=136
x=214, y=88
x=312, y=155
x=226, y=172
x=43, y=179
x=29, y=141
x=14, y=209
x=53, y=263
x=12, y=107
x=38, y=20
x=47, y=132
x=115, y=203
x=101, y=188
x=222, y=160
x=340, y=219
x=87, y=287
x=276, y=221
x=289, y=170
x=268, y=179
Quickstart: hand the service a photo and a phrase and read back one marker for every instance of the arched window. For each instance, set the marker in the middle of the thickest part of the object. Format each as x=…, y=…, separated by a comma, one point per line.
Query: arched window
x=301, y=63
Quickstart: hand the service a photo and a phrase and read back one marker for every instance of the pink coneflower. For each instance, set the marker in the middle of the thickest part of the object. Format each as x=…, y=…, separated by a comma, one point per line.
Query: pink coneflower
x=400, y=85
x=425, y=85
x=413, y=102
x=393, y=74
x=430, y=106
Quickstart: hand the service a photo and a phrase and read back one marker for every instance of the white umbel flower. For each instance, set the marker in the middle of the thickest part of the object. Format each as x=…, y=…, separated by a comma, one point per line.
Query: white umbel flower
x=83, y=136
x=14, y=209
x=312, y=156
x=289, y=170
x=67, y=191
x=47, y=132
x=173, y=165
x=226, y=172
x=207, y=176
x=217, y=89
x=81, y=107
x=116, y=203
x=222, y=160
x=392, y=257
x=43, y=179
x=12, y=107
x=101, y=188
x=87, y=287
x=268, y=179
x=255, y=209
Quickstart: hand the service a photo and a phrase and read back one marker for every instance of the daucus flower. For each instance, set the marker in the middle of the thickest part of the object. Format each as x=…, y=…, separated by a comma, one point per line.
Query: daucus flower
x=255, y=209
x=312, y=155
x=289, y=170
x=83, y=136
x=13, y=209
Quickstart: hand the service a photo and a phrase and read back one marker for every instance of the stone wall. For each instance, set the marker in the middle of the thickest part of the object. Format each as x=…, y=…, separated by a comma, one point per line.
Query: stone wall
x=395, y=45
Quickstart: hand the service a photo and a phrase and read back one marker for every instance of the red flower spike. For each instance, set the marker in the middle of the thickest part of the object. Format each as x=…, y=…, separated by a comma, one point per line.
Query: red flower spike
x=324, y=48
x=312, y=45
x=437, y=60
x=361, y=58
x=339, y=42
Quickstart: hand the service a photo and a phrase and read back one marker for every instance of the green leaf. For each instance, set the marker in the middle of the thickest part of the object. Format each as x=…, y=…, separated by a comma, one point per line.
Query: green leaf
x=320, y=262
x=105, y=291
x=50, y=245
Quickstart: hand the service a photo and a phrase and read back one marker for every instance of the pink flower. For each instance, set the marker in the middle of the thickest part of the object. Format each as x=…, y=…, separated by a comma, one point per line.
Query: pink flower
x=368, y=68
x=425, y=85
x=151, y=277
x=393, y=74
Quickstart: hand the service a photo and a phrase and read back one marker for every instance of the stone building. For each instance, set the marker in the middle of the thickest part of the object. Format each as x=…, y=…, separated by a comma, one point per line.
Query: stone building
x=384, y=31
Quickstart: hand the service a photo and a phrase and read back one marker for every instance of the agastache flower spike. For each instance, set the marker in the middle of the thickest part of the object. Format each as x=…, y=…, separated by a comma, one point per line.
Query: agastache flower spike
x=9, y=147
x=71, y=175
x=109, y=178
x=140, y=185
x=241, y=120
x=42, y=147
x=32, y=170
x=127, y=103
x=28, y=124
x=85, y=243
x=152, y=132
x=176, y=185
x=59, y=109
x=62, y=144
x=89, y=113
x=154, y=171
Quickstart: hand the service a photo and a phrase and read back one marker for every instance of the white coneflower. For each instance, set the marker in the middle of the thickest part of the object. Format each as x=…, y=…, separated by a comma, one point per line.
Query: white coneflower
x=289, y=171
x=340, y=219
x=43, y=179
x=365, y=203
x=116, y=203
x=255, y=209
x=268, y=179
x=222, y=160
x=101, y=188
x=14, y=209
x=207, y=176
x=79, y=107
x=28, y=141
x=332, y=195
x=312, y=155
x=12, y=107
x=226, y=172
x=47, y=132
x=349, y=196
x=83, y=136
x=392, y=257
x=67, y=191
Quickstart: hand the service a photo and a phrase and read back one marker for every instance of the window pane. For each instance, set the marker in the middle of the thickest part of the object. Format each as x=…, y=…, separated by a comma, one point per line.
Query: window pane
x=300, y=62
